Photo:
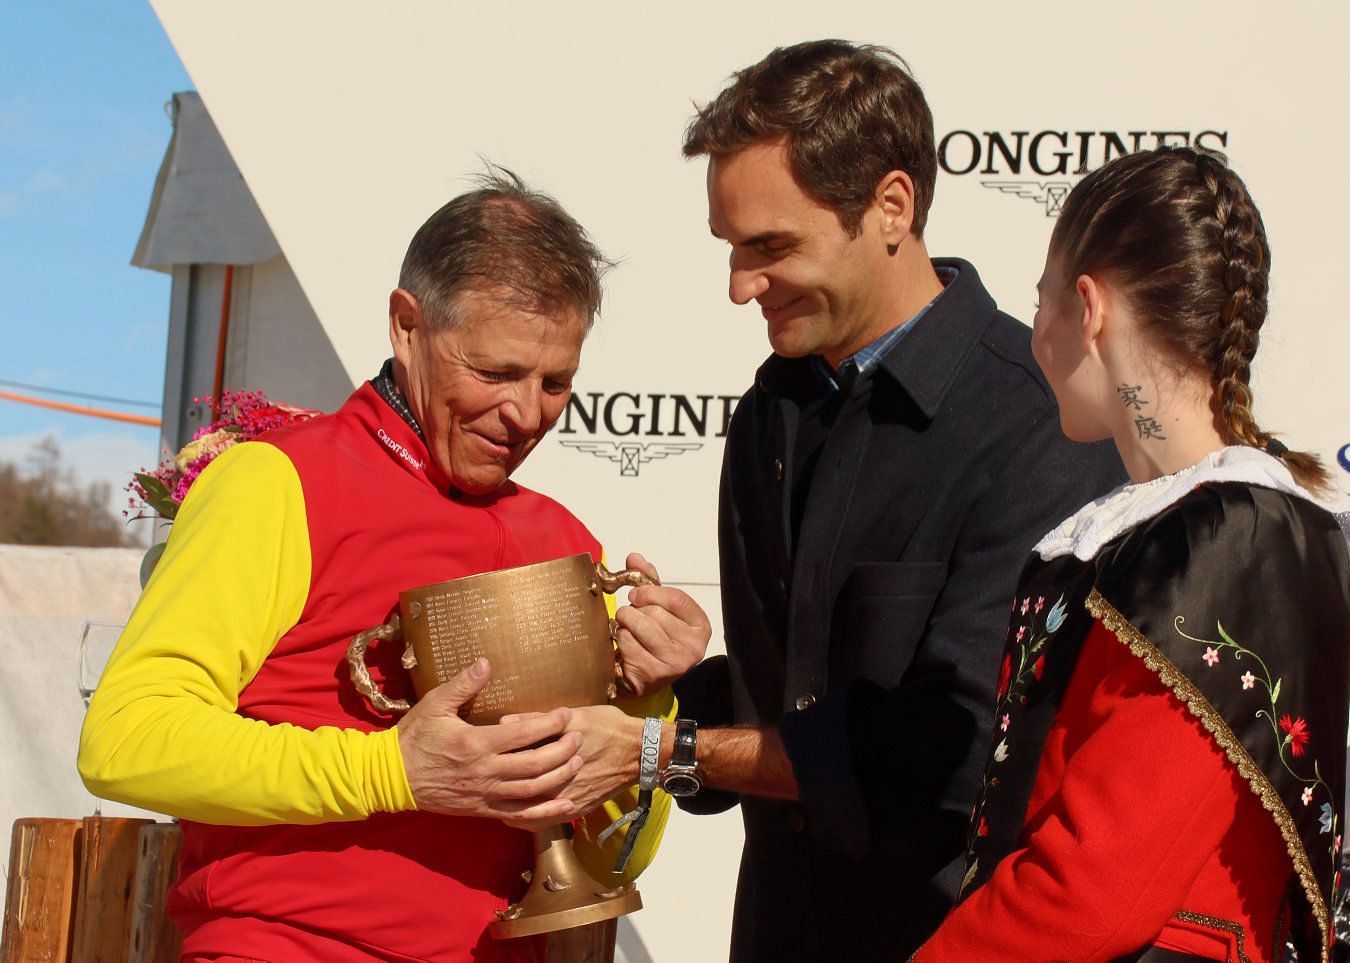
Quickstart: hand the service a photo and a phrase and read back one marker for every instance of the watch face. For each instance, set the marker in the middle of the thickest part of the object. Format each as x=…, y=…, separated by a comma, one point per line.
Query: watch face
x=681, y=784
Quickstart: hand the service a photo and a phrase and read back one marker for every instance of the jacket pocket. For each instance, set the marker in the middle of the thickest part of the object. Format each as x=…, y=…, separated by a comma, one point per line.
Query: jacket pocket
x=882, y=614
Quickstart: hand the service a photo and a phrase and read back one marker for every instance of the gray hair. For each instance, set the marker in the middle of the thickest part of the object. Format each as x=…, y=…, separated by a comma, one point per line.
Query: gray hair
x=509, y=235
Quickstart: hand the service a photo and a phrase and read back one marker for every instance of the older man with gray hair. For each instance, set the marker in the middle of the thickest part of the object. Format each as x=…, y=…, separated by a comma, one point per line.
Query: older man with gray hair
x=315, y=828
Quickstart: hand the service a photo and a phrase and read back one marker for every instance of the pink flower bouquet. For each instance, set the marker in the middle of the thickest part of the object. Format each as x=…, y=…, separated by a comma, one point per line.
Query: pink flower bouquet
x=237, y=416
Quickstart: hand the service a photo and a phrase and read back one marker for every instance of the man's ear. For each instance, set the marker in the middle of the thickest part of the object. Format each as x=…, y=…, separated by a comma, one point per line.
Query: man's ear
x=405, y=318
x=895, y=200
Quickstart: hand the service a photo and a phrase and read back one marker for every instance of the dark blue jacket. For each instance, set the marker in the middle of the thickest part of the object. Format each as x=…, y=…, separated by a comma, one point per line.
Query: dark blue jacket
x=875, y=643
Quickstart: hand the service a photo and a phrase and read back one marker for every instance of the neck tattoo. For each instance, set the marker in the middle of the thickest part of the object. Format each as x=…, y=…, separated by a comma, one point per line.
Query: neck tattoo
x=1144, y=423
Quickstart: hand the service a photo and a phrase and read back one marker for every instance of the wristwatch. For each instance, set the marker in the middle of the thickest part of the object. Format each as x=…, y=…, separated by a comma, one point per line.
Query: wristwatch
x=680, y=777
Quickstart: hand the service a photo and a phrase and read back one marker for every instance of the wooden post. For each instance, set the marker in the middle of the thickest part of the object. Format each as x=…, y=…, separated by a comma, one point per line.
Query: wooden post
x=110, y=848
x=593, y=943
x=154, y=937
x=39, y=911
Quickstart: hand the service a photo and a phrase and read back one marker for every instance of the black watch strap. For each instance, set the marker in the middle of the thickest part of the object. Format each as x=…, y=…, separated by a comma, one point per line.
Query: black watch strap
x=686, y=743
x=680, y=777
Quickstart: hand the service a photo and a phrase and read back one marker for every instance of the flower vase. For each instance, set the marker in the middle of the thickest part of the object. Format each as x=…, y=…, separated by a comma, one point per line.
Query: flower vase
x=151, y=559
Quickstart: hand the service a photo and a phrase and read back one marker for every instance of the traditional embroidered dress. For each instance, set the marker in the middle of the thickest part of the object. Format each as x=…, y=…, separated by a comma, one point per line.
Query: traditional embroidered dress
x=1169, y=769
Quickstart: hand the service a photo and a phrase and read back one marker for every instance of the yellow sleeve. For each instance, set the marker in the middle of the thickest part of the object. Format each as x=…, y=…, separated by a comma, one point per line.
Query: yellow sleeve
x=598, y=859
x=161, y=731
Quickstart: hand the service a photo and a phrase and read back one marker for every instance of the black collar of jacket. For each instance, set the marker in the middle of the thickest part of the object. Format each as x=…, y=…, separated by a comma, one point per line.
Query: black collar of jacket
x=926, y=362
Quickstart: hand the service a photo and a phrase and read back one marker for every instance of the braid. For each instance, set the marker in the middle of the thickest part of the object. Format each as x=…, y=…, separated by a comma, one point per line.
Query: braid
x=1246, y=277
x=1245, y=269
x=1178, y=230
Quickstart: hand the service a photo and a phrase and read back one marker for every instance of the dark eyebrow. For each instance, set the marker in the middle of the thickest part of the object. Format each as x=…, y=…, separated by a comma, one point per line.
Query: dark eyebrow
x=764, y=237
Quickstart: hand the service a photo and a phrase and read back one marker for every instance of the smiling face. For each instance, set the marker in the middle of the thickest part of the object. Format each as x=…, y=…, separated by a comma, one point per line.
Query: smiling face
x=815, y=285
x=488, y=389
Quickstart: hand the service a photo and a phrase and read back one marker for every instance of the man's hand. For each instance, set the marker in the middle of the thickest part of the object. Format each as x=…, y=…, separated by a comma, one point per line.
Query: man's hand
x=466, y=770
x=748, y=760
x=610, y=745
x=662, y=634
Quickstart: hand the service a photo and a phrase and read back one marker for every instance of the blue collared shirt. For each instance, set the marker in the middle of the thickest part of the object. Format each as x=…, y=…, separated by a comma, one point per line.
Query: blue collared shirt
x=865, y=359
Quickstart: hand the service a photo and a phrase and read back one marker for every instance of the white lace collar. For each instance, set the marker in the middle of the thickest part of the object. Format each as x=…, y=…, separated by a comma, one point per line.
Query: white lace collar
x=1085, y=532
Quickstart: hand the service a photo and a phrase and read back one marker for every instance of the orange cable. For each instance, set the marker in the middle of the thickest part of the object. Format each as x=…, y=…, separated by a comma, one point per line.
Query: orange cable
x=81, y=410
x=223, y=338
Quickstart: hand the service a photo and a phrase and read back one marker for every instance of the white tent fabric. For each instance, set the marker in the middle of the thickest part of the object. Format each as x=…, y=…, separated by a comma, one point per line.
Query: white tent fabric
x=46, y=596
x=201, y=211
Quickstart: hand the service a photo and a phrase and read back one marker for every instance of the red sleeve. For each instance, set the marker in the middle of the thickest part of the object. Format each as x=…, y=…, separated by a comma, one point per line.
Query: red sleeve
x=1109, y=856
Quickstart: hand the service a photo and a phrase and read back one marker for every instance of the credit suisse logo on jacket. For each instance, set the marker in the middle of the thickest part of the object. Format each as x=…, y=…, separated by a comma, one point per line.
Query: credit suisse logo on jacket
x=400, y=450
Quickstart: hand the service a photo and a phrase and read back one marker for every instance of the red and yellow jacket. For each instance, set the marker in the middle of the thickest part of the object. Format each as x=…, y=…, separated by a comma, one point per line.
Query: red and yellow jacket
x=227, y=701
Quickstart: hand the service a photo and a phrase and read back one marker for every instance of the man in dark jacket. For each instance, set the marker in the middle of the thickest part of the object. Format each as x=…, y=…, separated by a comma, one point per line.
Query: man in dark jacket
x=884, y=479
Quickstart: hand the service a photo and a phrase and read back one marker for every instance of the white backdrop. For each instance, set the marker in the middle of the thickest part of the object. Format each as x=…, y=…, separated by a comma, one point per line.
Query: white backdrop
x=46, y=596
x=352, y=121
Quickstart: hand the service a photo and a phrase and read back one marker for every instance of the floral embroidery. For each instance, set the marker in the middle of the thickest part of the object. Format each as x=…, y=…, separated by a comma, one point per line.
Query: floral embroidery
x=1298, y=733
x=1239, y=749
x=1030, y=659
x=1295, y=728
x=1021, y=666
x=971, y=870
x=1058, y=613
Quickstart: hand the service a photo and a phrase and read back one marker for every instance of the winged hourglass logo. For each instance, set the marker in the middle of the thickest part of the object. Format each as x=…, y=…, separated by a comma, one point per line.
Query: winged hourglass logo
x=627, y=416
x=1049, y=193
x=631, y=454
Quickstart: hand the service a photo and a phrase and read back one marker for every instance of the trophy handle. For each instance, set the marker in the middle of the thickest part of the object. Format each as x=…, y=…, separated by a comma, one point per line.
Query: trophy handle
x=610, y=582
x=356, y=662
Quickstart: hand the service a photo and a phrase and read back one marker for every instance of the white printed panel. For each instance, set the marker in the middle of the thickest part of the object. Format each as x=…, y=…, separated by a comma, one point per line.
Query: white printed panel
x=351, y=122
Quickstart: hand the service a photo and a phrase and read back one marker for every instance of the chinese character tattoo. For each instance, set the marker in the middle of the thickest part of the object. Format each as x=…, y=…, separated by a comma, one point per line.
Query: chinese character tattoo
x=1148, y=427
x=1130, y=395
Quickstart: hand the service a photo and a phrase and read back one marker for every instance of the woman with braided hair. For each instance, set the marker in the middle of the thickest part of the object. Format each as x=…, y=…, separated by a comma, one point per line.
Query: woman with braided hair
x=1167, y=780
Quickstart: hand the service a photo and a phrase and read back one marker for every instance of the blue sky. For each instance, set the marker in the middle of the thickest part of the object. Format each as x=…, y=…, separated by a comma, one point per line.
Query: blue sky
x=82, y=131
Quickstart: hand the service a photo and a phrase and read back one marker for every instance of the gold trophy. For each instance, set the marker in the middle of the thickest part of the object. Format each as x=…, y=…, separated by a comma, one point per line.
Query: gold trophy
x=546, y=631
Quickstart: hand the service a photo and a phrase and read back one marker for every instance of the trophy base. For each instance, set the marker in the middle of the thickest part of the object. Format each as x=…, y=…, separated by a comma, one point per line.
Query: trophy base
x=561, y=894
x=628, y=900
